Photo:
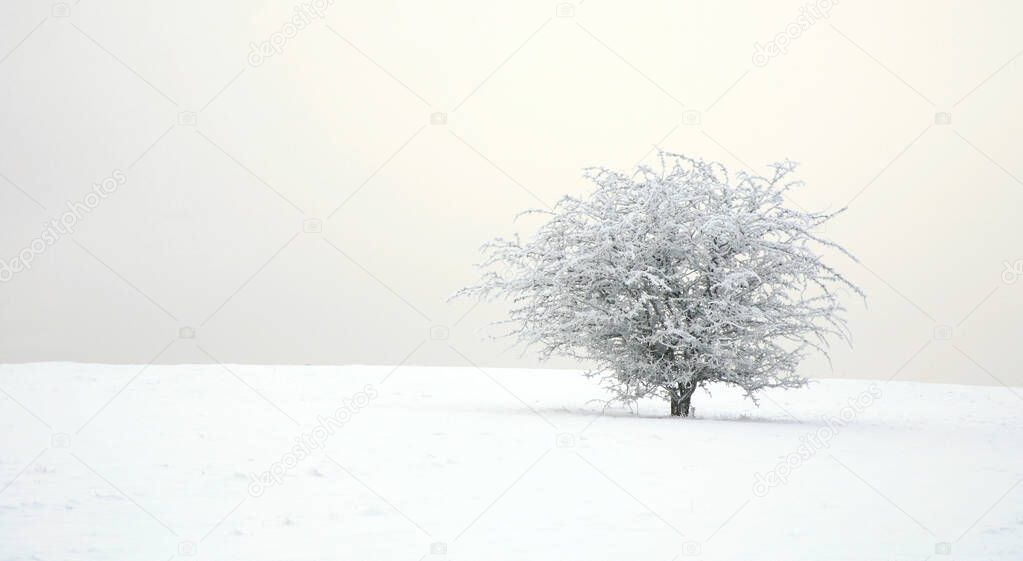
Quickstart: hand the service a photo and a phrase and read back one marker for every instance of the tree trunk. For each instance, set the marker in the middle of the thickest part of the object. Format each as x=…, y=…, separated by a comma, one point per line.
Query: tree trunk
x=680, y=400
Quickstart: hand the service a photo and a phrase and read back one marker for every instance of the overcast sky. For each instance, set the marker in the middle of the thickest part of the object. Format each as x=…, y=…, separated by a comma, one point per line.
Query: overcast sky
x=275, y=194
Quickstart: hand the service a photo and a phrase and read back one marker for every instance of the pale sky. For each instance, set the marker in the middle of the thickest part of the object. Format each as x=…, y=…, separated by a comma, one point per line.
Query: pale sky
x=412, y=132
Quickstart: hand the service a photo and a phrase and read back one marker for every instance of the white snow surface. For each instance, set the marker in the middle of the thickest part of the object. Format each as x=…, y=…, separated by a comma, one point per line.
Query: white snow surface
x=125, y=462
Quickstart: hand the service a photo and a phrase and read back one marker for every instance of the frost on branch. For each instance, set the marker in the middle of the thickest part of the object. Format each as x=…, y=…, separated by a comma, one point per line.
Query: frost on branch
x=667, y=280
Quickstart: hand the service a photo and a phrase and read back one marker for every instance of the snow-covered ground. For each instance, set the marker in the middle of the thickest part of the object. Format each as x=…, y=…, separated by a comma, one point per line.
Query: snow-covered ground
x=119, y=462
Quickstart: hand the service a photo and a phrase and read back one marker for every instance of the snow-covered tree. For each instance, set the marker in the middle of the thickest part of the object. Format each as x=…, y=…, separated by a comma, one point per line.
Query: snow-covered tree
x=667, y=280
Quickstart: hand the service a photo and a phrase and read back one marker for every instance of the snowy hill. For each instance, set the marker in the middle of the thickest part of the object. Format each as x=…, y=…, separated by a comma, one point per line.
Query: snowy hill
x=125, y=462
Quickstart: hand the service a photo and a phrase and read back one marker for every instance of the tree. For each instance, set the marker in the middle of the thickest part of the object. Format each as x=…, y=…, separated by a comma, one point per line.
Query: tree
x=670, y=280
